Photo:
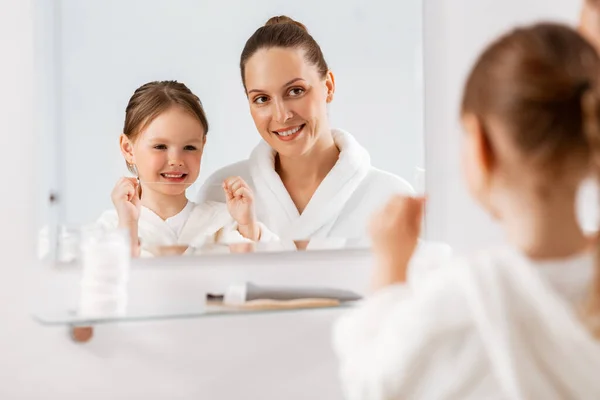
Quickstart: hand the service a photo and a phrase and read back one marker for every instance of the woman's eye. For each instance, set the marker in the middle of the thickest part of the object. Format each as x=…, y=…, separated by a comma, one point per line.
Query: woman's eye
x=260, y=99
x=296, y=91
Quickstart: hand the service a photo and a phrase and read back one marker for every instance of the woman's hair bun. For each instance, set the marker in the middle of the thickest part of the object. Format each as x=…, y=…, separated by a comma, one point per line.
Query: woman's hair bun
x=282, y=19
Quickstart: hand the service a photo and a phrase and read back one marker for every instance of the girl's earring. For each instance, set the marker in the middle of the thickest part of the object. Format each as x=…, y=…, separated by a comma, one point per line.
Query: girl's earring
x=135, y=171
x=137, y=175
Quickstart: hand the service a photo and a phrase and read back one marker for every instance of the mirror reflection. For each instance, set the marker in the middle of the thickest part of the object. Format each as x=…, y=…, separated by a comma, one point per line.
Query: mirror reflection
x=200, y=130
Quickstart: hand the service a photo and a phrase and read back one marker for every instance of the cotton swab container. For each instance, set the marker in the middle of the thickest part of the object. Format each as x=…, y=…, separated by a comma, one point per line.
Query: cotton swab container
x=106, y=259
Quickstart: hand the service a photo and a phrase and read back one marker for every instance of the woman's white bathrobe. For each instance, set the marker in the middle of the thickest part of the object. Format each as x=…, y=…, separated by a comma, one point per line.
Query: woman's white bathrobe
x=339, y=210
x=494, y=326
x=209, y=223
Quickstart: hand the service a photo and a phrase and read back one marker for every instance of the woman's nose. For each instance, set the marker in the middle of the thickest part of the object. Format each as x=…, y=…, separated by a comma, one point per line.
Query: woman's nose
x=281, y=112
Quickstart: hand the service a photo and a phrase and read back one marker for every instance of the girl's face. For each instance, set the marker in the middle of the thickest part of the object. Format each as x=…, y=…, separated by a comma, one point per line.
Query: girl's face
x=167, y=154
x=288, y=99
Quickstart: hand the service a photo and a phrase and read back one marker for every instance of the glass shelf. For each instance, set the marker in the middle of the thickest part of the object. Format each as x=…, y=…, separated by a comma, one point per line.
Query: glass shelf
x=177, y=288
x=70, y=317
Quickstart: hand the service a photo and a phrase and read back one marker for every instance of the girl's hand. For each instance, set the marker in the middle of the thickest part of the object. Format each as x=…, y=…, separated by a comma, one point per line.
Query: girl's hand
x=395, y=232
x=126, y=199
x=240, y=204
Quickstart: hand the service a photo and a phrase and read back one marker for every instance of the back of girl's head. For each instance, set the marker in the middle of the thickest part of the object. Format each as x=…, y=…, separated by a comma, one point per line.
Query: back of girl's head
x=284, y=32
x=539, y=84
x=154, y=98
x=531, y=82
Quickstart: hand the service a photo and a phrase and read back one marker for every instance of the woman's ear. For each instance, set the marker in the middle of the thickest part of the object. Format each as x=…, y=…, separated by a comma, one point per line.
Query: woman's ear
x=330, y=85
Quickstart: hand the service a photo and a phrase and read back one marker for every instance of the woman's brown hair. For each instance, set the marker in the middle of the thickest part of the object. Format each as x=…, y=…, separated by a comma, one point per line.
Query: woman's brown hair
x=284, y=32
x=541, y=84
x=152, y=99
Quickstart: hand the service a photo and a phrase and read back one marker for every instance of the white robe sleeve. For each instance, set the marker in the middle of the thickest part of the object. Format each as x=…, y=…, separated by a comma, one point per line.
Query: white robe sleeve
x=229, y=234
x=212, y=188
x=266, y=235
x=397, y=345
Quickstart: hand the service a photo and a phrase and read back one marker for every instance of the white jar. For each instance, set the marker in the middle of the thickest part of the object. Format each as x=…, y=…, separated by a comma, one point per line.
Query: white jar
x=106, y=259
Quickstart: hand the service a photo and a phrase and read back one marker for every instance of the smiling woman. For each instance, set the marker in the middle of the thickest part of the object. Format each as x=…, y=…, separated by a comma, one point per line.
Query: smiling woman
x=314, y=183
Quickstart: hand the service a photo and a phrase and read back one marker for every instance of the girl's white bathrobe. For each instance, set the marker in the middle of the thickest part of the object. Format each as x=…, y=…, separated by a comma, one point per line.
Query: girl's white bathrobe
x=495, y=326
x=197, y=226
x=338, y=212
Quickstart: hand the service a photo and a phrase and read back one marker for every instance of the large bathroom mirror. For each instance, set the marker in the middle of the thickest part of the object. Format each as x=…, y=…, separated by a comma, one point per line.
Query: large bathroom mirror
x=300, y=149
x=93, y=55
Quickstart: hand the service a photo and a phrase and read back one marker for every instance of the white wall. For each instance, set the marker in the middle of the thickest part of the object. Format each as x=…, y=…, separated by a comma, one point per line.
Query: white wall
x=159, y=360
x=106, y=49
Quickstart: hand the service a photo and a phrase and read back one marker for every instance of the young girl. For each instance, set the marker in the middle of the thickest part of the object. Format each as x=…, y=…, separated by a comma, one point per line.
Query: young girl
x=162, y=142
x=515, y=322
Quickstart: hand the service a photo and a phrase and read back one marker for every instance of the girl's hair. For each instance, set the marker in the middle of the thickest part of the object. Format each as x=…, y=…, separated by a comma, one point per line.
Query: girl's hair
x=541, y=84
x=154, y=98
x=284, y=32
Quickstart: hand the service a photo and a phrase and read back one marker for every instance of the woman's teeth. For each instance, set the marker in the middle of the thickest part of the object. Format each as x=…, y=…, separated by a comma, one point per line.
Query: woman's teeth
x=290, y=132
x=172, y=176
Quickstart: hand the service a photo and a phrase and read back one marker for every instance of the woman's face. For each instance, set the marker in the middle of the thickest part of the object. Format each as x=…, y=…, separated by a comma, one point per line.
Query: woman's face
x=288, y=99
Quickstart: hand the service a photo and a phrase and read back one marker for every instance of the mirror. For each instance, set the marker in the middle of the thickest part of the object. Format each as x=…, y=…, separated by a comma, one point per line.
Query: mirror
x=360, y=135
x=296, y=158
